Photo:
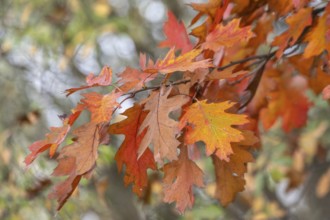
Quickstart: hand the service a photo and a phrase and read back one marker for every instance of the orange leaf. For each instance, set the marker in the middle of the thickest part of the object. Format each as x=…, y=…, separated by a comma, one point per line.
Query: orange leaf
x=212, y=125
x=281, y=7
x=180, y=176
x=230, y=174
x=171, y=64
x=227, y=36
x=53, y=139
x=161, y=129
x=100, y=106
x=319, y=37
x=136, y=168
x=133, y=79
x=176, y=34
x=297, y=23
x=104, y=79
x=289, y=102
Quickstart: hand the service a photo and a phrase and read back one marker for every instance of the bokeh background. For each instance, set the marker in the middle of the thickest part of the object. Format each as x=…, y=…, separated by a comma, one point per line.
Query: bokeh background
x=47, y=46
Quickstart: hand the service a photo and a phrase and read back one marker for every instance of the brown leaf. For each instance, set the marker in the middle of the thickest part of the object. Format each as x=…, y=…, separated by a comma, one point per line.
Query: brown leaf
x=180, y=176
x=161, y=129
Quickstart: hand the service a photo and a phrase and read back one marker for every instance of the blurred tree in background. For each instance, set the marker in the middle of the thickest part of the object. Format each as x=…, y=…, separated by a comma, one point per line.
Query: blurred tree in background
x=49, y=46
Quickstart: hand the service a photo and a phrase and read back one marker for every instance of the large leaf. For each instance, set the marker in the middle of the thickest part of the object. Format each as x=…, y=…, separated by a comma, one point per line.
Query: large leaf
x=208, y=122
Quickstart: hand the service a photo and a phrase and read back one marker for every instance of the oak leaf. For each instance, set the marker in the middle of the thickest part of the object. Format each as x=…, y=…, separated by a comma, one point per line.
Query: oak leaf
x=161, y=129
x=288, y=102
x=212, y=125
x=133, y=79
x=170, y=64
x=227, y=36
x=180, y=177
x=53, y=139
x=176, y=34
x=136, y=168
x=100, y=106
x=319, y=37
x=77, y=159
x=297, y=24
x=230, y=174
x=104, y=79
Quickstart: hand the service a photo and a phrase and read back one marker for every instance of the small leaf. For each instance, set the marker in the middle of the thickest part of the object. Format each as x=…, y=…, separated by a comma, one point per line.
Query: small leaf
x=176, y=35
x=170, y=63
x=227, y=36
x=104, y=79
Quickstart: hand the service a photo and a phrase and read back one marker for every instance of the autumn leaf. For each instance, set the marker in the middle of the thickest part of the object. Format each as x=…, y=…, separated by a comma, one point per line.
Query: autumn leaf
x=297, y=24
x=318, y=38
x=161, y=129
x=100, y=106
x=176, y=34
x=227, y=36
x=288, y=102
x=104, y=79
x=180, y=177
x=53, y=139
x=281, y=7
x=133, y=79
x=230, y=174
x=208, y=122
x=77, y=159
x=136, y=168
x=170, y=63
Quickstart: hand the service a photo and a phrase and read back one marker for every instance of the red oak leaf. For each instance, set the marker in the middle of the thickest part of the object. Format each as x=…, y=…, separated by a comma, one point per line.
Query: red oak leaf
x=176, y=34
x=136, y=168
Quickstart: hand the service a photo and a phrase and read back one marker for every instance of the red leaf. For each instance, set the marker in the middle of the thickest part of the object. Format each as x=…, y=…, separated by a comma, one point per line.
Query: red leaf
x=176, y=34
x=136, y=168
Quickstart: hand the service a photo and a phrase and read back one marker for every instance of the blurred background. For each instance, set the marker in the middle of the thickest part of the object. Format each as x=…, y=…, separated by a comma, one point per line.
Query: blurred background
x=49, y=46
